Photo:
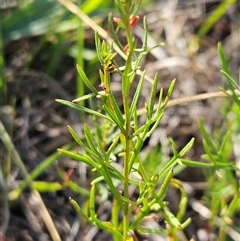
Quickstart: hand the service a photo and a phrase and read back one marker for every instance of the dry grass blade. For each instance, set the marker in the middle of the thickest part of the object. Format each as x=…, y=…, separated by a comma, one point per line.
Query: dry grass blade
x=43, y=210
x=46, y=217
x=89, y=22
x=189, y=99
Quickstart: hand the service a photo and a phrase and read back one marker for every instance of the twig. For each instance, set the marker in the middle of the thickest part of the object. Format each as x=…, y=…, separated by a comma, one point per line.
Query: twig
x=75, y=10
x=193, y=98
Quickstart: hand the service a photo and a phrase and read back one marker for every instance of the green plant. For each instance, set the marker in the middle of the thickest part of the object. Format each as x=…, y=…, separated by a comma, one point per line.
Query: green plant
x=223, y=194
x=122, y=131
x=120, y=134
x=214, y=17
x=117, y=133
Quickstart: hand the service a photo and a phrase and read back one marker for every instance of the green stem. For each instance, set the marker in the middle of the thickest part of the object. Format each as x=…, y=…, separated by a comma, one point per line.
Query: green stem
x=126, y=171
x=126, y=219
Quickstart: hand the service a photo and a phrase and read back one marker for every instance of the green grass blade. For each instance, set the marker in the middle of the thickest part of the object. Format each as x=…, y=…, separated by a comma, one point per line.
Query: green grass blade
x=215, y=16
x=39, y=169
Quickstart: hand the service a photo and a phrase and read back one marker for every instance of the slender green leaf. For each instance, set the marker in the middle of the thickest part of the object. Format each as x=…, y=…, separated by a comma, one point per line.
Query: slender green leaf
x=145, y=37
x=232, y=86
x=98, y=47
x=79, y=210
x=174, y=160
x=165, y=185
x=171, y=219
x=187, y=147
x=153, y=95
x=155, y=125
x=207, y=137
x=137, y=94
x=116, y=108
x=174, y=148
x=47, y=186
x=232, y=83
x=160, y=99
x=89, y=138
x=79, y=142
x=211, y=157
x=215, y=16
x=114, y=117
x=223, y=59
x=107, y=177
x=85, y=97
x=92, y=203
x=84, y=109
x=80, y=158
x=85, y=79
x=225, y=144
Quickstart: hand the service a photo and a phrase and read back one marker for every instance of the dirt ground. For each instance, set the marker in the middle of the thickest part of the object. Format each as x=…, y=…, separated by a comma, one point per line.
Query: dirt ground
x=39, y=123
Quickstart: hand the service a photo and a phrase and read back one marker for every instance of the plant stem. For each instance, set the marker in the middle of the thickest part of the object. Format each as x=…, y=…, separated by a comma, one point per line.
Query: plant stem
x=127, y=79
x=126, y=161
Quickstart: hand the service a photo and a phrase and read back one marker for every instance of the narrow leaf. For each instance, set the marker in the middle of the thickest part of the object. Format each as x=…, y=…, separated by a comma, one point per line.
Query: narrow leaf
x=137, y=94
x=222, y=58
x=86, y=81
x=98, y=47
x=165, y=185
x=153, y=95
x=84, y=109
x=79, y=142
x=89, y=138
x=187, y=147
x=114, y=118
x=80, y=158
x=207, y=137
x=92, y=202
x=79, y=210
x=85, y=97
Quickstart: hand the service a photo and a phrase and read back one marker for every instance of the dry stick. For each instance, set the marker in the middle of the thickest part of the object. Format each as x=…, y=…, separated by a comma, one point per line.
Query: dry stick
x=75, y=10
x=193, y=98
x=18, y=161
x=46, y=217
